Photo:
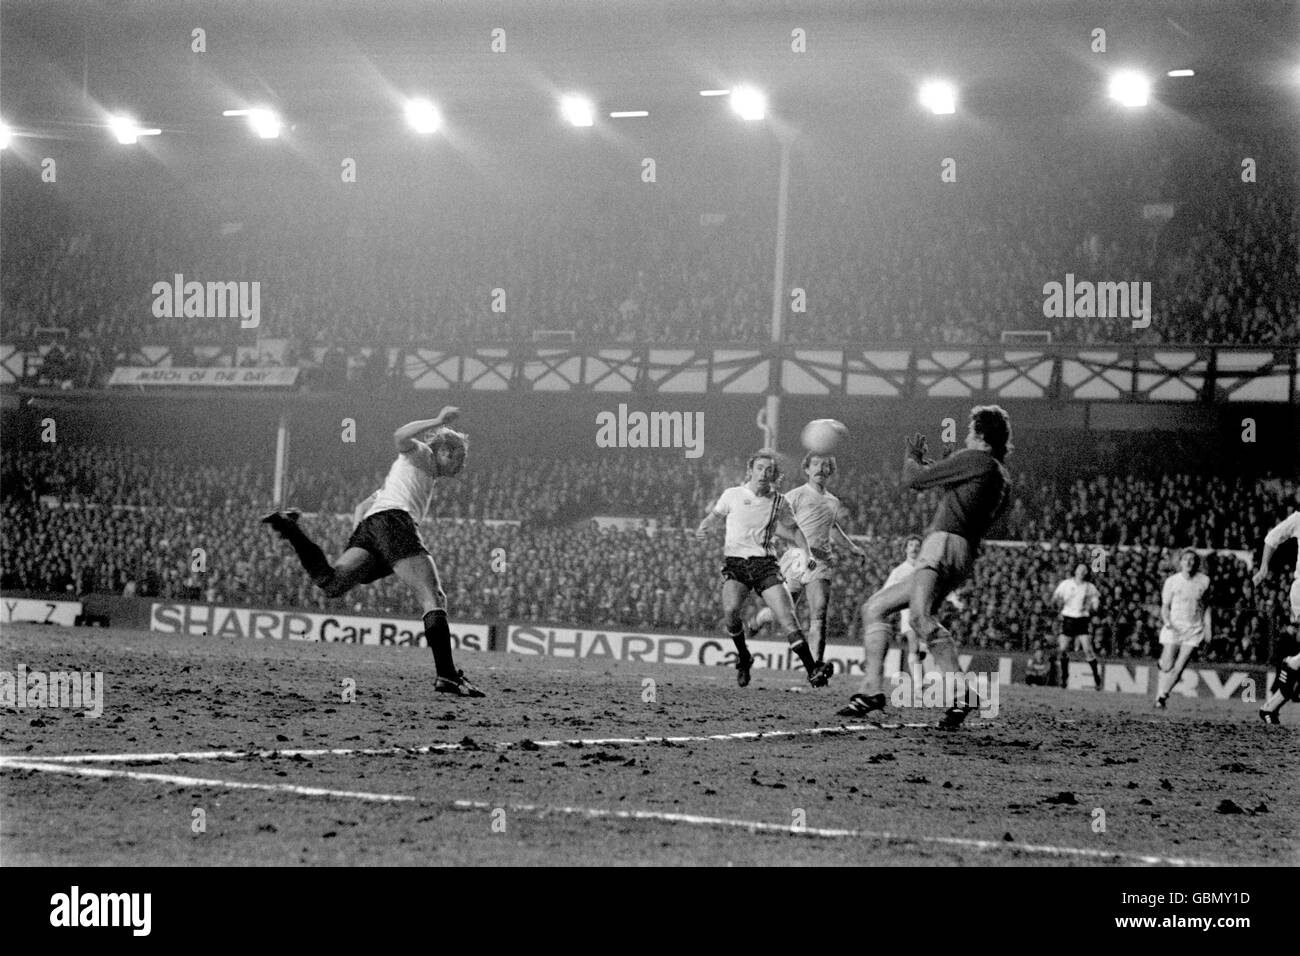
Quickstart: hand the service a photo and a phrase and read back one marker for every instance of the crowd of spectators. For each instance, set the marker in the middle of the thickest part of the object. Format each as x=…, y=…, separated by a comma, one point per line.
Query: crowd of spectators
x=1155, y=508
x=110, y=520
x=906, y=265
x=531, y=490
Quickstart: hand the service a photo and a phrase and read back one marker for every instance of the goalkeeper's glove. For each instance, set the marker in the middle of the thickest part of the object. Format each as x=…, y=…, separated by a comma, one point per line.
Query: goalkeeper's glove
x=917, y=447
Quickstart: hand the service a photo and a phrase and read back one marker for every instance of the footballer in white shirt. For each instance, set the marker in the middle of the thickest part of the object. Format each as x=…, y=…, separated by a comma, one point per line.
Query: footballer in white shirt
x=386, y=539
x=754, y=514
x=1185, y=616
x=1286, y=685
x=817, y=512
x=1078, y=599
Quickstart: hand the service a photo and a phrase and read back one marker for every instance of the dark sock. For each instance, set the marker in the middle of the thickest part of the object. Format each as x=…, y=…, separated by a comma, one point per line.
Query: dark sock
x=438, y=634
x=738, y=638
x=800, y=648
x=1096, y=671
x=1065, y=670
x=312, y=557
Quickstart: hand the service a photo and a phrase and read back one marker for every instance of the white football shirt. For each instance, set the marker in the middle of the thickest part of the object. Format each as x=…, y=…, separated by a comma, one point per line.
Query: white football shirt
x=1081, y=599
x=814, y=512
x=1186, y=599
x=409, y=484
x=751, y=521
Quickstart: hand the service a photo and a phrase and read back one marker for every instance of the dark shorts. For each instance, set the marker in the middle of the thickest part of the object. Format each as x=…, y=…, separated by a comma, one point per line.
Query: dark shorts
x=950, y=556
x=758, y=574
x=1075, y=626
x=388, y=536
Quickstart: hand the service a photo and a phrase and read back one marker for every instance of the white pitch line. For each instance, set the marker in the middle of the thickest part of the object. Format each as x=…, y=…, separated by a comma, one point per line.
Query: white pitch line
x=595, y=813
x=757, y=826
x=196, y=755
x=183, y=781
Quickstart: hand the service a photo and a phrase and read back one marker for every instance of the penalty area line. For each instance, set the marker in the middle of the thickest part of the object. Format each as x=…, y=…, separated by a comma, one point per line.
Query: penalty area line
x=197, y=755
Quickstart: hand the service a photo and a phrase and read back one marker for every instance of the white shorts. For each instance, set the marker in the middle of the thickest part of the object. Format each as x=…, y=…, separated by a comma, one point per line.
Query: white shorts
x=794, y=568
x=820, y=573
x=1295, y=600
x=1189, y=637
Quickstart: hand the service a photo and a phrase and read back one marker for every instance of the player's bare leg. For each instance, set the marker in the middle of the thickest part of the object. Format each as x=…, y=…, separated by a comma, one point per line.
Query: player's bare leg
x=777, y=597
x=915, y=658
x=420, y=574
x=1173, y=658
x=733, y=601
x=1286, y=686
x=876, y=611
x=1063, y=659
x=817, y=594
x=1084, y=642
x=1089, y=655
x=928, y=593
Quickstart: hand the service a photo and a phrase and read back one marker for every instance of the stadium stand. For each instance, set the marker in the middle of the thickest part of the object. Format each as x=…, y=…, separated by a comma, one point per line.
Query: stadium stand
x=903, y=266
x=116, y=520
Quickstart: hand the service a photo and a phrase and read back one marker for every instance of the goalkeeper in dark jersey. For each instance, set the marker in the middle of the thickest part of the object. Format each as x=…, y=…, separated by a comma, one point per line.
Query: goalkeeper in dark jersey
x=976, y=490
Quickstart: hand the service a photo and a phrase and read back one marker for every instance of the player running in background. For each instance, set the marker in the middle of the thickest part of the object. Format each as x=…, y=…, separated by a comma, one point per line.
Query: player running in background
x=817, y=512
x=386, y=539
x=753, y=514
x=975, y=485
x=1079, y=600
x=1185, y=614
x=1286, y=685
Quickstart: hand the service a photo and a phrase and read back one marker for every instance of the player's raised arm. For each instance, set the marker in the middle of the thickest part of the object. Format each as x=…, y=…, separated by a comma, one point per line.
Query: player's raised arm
x=920, y=473
x=404, y=437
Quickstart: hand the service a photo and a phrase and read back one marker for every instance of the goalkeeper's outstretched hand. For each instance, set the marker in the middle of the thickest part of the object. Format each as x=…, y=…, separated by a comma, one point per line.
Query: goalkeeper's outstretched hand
x=917, y=447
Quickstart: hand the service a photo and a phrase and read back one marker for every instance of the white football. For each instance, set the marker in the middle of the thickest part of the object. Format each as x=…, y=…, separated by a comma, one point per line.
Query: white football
x=821, y=435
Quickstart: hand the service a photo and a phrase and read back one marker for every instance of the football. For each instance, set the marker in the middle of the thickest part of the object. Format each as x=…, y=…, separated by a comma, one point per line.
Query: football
x=821, y=435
